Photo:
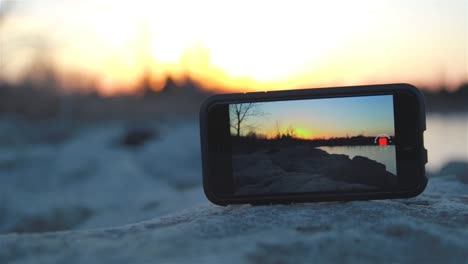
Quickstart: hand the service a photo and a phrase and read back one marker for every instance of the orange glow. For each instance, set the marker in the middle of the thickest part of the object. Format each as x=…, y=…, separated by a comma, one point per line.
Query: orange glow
x=302, y=133
x=250, y=45
x=298, y=133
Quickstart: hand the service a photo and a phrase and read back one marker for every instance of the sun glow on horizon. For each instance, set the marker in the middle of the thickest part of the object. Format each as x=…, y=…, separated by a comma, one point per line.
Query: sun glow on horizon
x=299, y=133
x=303, y=134
x=247, y=45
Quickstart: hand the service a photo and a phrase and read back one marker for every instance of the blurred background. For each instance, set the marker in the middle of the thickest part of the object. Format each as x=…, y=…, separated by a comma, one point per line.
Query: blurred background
x=99, y=99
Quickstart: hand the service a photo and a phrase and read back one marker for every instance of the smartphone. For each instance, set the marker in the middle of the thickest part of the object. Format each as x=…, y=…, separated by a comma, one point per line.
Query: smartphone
x=311, y=145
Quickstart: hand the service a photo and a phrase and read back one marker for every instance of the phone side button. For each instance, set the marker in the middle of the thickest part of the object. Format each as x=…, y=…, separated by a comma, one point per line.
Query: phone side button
x=425, y=156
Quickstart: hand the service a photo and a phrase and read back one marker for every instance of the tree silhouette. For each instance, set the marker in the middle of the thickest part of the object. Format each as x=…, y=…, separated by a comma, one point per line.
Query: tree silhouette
x=278, y=129
x=291, y=132
x=241, y=113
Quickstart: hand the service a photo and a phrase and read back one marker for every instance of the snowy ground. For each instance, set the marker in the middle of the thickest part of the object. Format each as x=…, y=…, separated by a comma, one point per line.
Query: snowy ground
x=62, y=176
x=76, y=178
x=432, y=228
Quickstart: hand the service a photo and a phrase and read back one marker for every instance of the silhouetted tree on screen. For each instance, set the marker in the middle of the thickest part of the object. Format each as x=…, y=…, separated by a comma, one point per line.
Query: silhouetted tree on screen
x=291, y=132
x=241, y=113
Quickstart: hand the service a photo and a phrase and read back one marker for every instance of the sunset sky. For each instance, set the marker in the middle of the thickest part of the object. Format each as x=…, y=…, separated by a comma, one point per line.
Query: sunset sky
x=324, y=118
x=240, y=45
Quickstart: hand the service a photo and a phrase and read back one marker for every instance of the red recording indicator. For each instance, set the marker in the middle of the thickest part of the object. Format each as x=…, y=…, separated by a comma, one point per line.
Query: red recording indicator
x=383, y=141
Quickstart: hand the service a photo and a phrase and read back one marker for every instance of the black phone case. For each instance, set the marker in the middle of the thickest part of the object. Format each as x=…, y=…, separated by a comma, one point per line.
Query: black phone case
x=300, y=94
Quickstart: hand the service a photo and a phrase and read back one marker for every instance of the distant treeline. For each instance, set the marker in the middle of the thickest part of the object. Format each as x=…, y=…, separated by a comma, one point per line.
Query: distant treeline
x=446, y=102
x=47, y=100
x=257, y=141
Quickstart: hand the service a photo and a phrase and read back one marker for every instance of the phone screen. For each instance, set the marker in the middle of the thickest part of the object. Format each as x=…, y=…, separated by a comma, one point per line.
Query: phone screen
x=313, y=145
